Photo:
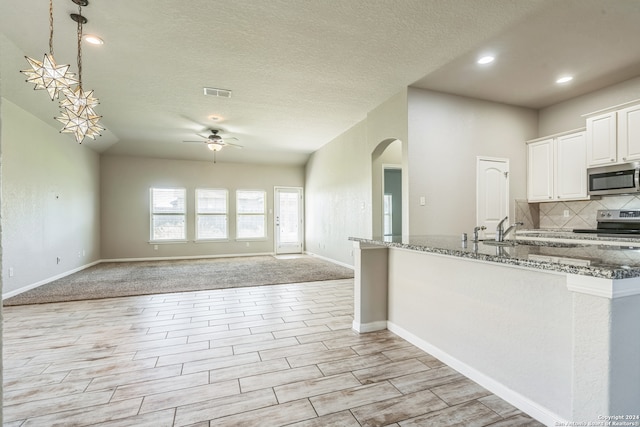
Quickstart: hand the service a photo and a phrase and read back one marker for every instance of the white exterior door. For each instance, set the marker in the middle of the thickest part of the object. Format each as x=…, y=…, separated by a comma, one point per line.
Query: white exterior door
x=288, y=220
x=492, y=193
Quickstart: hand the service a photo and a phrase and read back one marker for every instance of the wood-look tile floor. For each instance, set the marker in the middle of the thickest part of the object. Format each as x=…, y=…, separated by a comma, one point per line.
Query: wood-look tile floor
x=263, y=356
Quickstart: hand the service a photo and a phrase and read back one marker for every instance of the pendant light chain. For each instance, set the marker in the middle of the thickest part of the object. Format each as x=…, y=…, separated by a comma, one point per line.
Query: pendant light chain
x=51, y=27
x=80, y=46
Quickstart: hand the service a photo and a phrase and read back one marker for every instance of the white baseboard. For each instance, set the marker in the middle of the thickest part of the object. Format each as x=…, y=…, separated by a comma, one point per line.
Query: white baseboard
x=329, y=259
x=171, y=258
x=47, y=280
x=363, y=328
x=526, y=405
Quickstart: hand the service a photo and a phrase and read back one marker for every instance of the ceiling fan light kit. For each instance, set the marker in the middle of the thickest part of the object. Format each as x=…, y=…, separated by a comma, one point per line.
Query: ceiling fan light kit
x=215, y=142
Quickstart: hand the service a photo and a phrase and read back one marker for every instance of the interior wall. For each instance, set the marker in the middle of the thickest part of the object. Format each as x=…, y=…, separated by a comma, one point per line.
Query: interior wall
x=446, y=134
x=338, y=192
x=567, y=115
x=338, y=195
x=514, y=326
x=1, y=282
x=125, y=184
x=50, y=209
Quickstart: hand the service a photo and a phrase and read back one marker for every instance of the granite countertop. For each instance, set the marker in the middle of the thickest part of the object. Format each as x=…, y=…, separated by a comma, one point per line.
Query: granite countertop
x=614, y=260
x=561, y=234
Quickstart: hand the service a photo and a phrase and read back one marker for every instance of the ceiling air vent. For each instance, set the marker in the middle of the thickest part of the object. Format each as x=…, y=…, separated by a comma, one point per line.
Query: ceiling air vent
x=222, y=93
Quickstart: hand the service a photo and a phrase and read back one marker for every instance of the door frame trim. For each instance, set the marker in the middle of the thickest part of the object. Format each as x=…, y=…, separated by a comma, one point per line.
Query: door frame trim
x=503, y=160
x=275, y=210
x=385, y=166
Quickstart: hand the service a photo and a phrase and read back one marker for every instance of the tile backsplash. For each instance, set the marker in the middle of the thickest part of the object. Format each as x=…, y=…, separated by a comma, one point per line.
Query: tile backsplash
x=569, y=215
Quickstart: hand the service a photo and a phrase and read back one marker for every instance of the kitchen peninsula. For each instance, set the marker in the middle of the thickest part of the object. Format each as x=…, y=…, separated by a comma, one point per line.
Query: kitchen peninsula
x=552, y=326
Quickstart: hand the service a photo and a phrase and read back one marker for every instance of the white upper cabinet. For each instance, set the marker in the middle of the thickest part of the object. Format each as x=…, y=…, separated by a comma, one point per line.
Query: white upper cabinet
x=614, y=137
x=557, y=168
x=540, y=171
x=629, y=133
x=602, y=140
x=571, y=167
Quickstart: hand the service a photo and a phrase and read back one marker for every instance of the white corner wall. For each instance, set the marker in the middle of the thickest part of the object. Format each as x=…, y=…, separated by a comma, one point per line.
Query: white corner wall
x=446, y=134
x=125, y=184
x=50, y=206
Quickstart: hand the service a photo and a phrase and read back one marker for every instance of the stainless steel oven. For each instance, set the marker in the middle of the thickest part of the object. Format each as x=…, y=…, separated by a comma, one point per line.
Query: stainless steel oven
x=615, y=179
x=617, y=222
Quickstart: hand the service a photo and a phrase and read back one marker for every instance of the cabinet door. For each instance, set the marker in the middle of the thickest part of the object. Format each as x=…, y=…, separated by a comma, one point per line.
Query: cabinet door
x=571, y=167
x=601, y=140
x=629, y=133
x=540, y=171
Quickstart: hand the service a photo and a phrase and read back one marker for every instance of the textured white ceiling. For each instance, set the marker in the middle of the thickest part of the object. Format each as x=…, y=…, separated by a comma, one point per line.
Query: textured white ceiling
x=304, y=71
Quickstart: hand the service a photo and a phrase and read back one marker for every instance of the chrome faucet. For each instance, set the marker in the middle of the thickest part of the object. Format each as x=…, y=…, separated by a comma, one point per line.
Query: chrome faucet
x=475, y=232
x=501, y=233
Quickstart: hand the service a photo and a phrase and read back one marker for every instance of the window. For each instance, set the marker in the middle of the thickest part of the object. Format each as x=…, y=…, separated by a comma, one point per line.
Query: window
x=211, y=214
x=251, y=218
x=168, y=211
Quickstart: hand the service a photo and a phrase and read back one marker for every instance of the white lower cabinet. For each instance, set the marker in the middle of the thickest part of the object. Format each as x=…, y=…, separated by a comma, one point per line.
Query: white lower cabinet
x=557, y=168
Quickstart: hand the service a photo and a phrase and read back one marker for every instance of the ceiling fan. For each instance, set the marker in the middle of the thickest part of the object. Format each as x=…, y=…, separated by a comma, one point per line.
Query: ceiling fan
x=215, y=142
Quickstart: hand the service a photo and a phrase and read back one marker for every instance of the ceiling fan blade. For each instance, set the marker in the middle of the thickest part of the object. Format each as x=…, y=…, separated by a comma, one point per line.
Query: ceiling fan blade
x=232, y=145
x=197, y=142
x=229, y=137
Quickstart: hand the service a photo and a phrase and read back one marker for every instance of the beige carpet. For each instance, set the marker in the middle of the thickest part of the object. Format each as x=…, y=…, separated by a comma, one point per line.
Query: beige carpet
x=117, y=279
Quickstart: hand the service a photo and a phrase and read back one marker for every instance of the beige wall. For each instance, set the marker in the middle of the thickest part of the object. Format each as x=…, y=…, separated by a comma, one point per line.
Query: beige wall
x=339, y=185
x=125, y=184
x=446, y=134
x=50, y=208
x=338, y=195
x=567, y=115
x=441, y=137
x=451, y=304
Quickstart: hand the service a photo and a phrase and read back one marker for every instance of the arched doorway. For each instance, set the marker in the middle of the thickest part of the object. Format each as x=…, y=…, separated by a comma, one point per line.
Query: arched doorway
x=387, y=189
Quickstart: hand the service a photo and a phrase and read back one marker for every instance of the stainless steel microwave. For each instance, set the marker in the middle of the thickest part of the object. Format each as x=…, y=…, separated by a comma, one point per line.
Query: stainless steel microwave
x=615, y=179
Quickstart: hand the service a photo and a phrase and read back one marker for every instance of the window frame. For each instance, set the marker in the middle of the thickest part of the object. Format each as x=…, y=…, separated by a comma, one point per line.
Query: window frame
x=263, y=214
x=225, y=214
x=153, y=213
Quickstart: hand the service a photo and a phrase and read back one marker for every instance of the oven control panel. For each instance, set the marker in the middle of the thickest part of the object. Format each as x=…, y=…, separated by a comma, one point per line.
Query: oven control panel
x=623, y=215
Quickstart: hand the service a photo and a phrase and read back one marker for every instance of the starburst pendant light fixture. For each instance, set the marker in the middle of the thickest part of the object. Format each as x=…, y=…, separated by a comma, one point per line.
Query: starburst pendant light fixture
x=47, y=75
x=78, y=115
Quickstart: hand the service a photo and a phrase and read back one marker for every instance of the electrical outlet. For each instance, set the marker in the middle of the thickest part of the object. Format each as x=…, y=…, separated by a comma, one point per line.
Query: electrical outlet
x=566, y=213
x=10, y=271
x=58, y=259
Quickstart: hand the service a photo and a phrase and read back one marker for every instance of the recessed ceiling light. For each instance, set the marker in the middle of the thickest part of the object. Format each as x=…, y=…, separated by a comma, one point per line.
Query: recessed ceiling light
x=90, y=38
x=564, y=79
x=488, y=59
